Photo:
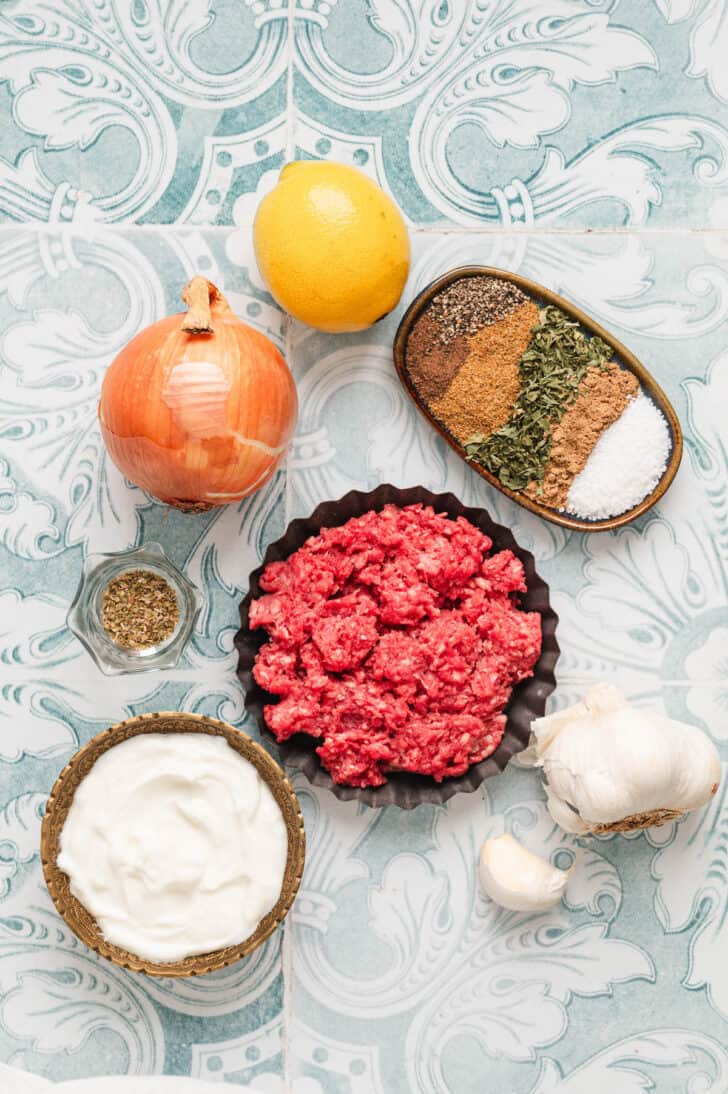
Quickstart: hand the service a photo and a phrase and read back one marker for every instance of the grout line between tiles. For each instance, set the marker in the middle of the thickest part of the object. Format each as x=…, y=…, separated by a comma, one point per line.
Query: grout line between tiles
x=547, y=230
x=287, y=940
x=287, y=1015
x=290, y=109
x=91, y=228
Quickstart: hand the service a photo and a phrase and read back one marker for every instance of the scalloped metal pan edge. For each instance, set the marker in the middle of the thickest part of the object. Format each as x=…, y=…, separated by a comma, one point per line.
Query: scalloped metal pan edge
x=625, y=357
x=528, y=698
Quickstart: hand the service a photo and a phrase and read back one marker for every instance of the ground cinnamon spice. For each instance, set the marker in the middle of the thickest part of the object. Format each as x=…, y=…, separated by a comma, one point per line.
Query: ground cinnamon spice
x=430, y=363
x=438, y=342
x=482, y=395
x=602, y=396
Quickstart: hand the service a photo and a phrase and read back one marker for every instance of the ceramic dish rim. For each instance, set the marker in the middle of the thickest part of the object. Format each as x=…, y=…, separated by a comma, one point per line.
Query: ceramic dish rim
x=76, y=915
x=537, y=291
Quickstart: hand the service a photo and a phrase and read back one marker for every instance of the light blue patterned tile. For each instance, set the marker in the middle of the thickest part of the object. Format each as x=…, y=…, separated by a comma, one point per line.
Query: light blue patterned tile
x=669, y=1060
x=402, y=967
x=397, y=953
x=574, y=112
x=586, y=113
x=564, y=114
x=69, y=303
x=665, y=296
x=394, y=950
x=149, y=112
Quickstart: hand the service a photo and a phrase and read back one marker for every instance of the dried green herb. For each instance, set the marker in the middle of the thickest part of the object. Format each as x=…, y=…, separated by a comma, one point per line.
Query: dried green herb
x=139, y=609
x=551, y=369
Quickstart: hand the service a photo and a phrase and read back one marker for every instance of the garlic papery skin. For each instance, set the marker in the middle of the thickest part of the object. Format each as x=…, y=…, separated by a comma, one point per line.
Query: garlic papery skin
x=517, y=879
x=565, y=815
x=610, y=767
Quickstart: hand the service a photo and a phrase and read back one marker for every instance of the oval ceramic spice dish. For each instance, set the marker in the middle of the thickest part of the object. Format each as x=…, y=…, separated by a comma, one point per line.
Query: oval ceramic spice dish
x=536, y=294
x=82, y=923
x=528, y=698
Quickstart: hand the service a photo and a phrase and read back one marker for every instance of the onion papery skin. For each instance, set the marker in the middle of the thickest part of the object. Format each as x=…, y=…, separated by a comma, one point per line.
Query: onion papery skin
x=198, y=420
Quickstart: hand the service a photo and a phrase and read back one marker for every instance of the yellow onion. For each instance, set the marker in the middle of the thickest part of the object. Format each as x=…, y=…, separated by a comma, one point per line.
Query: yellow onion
x=198, y=409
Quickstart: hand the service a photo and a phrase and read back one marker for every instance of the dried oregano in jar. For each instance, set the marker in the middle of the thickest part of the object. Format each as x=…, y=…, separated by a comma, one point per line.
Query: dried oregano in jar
x=139, y=610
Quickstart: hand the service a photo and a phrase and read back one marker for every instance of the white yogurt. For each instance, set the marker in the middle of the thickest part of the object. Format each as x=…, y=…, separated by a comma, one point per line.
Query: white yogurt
x=175, y=844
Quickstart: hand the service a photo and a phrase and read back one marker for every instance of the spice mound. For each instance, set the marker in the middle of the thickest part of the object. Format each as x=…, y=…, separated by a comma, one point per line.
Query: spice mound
x=529, y=394
x=396, y=640
x=175, y=844
x=139, y=610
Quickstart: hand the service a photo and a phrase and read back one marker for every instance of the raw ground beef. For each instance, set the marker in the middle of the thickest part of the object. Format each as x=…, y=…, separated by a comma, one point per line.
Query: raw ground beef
x=396, y=639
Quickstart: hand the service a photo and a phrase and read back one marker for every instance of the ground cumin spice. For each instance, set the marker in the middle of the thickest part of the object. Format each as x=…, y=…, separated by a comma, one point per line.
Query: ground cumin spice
x=430, y=364
x=139, y=609
x=482, y=395
x=438, y=342
x=602, y=396
x=557, y=359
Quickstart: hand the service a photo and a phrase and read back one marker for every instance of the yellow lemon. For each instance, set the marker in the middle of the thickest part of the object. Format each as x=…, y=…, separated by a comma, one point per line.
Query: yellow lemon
x=331, y=246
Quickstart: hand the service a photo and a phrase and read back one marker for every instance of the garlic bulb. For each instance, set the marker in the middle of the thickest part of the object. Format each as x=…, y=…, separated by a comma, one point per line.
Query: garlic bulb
x=610, y=767
x=517, y=879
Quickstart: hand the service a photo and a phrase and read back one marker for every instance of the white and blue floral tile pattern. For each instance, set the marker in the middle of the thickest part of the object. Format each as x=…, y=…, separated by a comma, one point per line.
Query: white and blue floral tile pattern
x=566, y=118
x=390, y=935
x=152, y=111
x=69, y=302
x=522, y=112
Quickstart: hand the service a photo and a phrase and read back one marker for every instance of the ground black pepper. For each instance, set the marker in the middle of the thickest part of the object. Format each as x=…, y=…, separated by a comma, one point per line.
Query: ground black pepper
x=472, y=303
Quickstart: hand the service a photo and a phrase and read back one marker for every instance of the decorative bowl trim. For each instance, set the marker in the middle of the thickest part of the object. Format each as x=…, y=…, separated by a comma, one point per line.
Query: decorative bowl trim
x=528, y=700
x=80, y=920
x=626, y=357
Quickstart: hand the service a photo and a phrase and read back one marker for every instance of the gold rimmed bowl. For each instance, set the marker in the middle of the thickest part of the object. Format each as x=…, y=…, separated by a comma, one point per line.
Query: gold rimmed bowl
x=80, y=920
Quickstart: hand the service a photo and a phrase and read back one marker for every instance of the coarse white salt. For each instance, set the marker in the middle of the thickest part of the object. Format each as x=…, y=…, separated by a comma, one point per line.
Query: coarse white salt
x=625, y=465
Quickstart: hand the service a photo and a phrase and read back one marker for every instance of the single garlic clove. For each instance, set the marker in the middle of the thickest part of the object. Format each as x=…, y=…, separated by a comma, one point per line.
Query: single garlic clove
x=517, y=879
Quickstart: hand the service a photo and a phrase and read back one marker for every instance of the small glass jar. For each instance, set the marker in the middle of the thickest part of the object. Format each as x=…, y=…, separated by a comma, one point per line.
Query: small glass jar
x=85, y=620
